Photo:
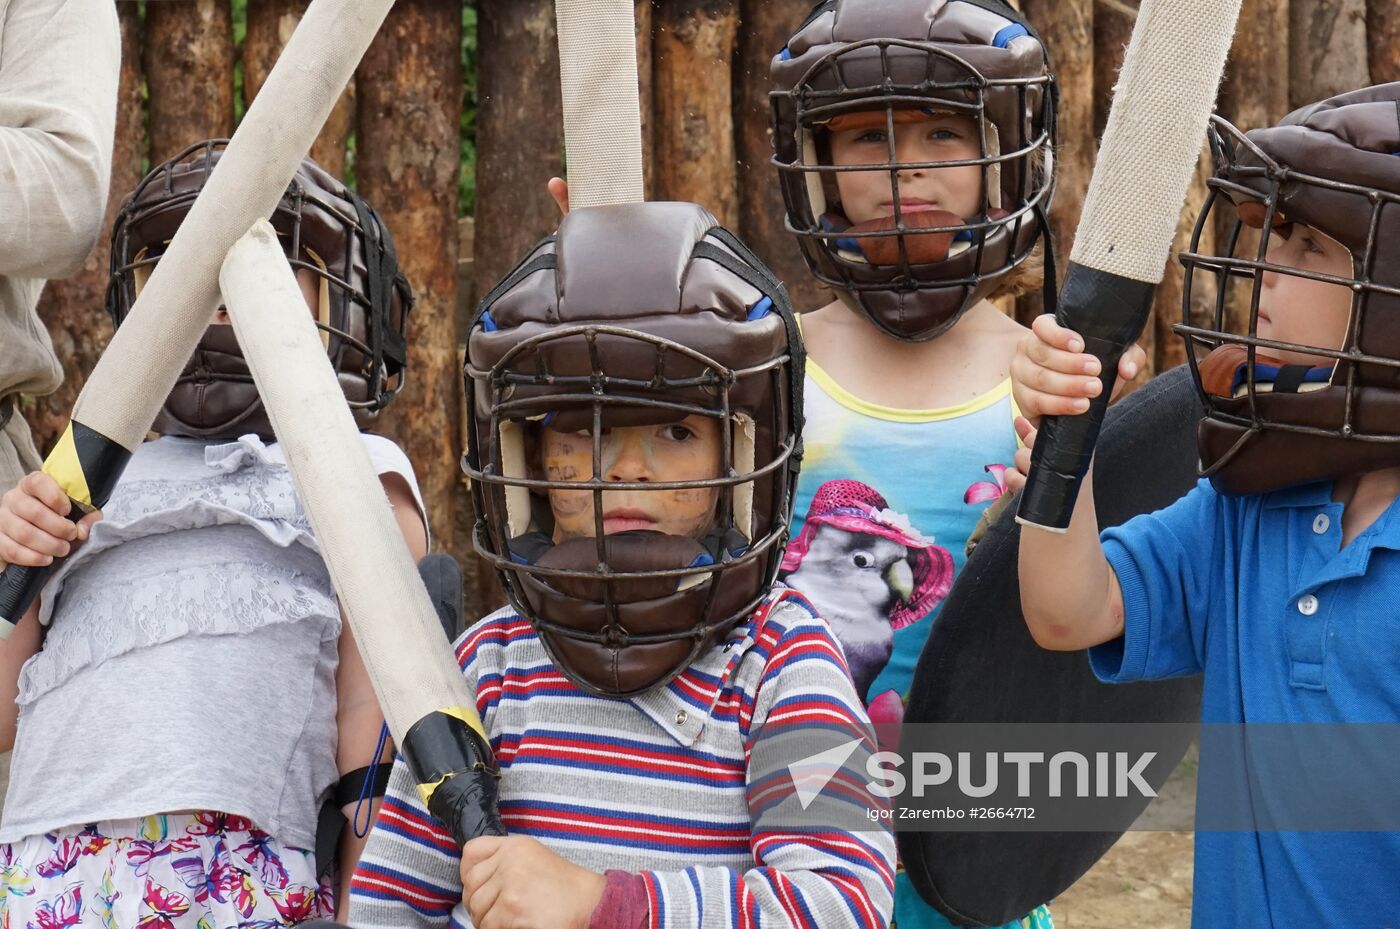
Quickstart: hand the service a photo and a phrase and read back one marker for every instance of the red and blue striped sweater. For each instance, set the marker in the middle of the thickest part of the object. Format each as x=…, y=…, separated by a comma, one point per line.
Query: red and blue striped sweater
x=665, y=785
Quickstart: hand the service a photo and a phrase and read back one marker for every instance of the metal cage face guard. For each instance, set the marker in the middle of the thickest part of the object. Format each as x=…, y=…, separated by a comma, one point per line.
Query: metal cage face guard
x=911, y=279
x=327, y=231
x=625, y=613
x=1269, y=424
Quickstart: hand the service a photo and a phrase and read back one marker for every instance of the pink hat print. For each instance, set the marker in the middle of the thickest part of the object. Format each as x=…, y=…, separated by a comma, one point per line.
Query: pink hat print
x=858, y=508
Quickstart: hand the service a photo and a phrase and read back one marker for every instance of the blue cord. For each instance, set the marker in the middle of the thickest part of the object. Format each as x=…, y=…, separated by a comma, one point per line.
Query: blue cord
x=360, y=833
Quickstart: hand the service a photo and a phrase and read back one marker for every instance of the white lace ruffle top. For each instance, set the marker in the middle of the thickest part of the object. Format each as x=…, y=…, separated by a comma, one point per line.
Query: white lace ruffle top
x=191, y=651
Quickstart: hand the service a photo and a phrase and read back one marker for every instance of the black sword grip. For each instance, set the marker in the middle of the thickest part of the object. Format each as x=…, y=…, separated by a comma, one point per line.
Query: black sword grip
x=1108, y=312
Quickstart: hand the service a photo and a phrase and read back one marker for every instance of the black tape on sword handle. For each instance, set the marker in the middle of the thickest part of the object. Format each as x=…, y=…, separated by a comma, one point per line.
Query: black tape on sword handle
x=1108, y=311
x=19, y=585
x=456, y=773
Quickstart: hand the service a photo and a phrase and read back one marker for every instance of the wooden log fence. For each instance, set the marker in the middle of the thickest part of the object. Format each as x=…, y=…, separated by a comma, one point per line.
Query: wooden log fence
x=702, y=66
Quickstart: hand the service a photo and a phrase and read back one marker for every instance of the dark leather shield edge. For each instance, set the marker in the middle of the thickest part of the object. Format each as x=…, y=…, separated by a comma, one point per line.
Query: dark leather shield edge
x=981, y=665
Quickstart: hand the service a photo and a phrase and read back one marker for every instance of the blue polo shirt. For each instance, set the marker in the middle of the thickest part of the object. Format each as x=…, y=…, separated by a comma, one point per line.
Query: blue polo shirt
x=1257, y=593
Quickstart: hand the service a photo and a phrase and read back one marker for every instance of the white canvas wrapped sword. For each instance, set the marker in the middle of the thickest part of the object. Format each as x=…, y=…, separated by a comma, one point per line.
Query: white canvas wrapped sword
x=426, y=701
x=1163, y=99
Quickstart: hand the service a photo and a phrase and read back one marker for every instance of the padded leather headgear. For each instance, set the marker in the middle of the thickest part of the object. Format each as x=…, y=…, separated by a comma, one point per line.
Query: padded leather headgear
x=894, y=58
x=328, y=231
x=1333, y=166
x=631, y=315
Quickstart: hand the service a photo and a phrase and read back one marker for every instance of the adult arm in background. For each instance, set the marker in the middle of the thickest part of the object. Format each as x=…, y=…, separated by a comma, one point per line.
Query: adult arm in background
x=60, y=61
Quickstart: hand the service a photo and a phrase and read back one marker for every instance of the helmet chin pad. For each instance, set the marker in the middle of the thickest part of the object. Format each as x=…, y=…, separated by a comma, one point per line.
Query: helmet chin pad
x=591, y=644
x=920, y=247
x=623, y=552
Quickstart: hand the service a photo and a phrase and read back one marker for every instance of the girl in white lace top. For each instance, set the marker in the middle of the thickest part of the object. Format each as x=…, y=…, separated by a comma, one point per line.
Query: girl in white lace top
x=185, y=695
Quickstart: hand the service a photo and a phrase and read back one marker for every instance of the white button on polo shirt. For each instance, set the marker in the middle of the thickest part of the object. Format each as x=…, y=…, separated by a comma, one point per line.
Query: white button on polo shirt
x=1307, y=605
x=1321, y=523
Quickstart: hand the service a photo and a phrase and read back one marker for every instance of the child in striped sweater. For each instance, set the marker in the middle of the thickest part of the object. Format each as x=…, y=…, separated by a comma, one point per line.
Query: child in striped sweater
x=649, y=693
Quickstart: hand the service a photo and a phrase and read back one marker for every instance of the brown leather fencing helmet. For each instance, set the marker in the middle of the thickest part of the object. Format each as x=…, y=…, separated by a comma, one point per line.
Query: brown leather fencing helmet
x=328, y=231
x=1333, y=166
x=639, y=314
x=979, y=58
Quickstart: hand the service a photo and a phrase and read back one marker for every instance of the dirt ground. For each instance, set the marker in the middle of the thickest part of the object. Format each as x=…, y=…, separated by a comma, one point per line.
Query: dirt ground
x=1145, y=879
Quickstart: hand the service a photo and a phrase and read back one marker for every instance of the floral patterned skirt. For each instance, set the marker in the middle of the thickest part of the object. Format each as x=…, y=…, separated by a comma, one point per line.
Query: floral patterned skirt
x=182, y=871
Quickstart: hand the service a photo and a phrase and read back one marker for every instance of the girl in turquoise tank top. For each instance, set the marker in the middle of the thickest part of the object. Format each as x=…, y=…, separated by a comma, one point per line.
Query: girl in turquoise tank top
x=912, y=142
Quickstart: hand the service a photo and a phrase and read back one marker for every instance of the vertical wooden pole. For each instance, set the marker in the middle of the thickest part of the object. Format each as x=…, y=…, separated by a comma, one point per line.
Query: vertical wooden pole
x=643, y=13
x=1113, y=29
x=1383, y=40
x=693, y=55
x=72, y=309
x=270, y=25
x=1327, y=49
x=520, y=132
x=1067, y=26
x=765, y=28
x=189, y=72
x=410, y=105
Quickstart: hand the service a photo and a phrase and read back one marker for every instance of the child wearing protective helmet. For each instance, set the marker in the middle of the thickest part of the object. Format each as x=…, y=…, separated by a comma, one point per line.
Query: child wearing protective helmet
x=634, y=433
x=1276, y=576
x=190, y=718
x=913, y=144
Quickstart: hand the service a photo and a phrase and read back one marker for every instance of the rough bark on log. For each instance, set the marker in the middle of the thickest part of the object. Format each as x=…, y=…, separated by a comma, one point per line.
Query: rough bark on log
x=189, y=56
x=1067, y=26
x=270, y=25
x=409, y=101
x=72, y=309
x=642, y=16
x=1113, y=28
x=1327, y=49
x=519, y=133
x=693, y=59
x=767, y=25
x=1383, y=40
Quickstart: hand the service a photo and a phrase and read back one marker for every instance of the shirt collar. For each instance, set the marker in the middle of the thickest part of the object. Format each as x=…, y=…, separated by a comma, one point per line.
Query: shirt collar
x=1383, y=533
x=683, y=706
x=1316, y=494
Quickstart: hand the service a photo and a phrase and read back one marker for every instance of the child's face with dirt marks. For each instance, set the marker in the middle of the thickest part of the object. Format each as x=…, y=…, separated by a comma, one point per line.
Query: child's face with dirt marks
x=1297, y=309
x=863, y=138
x=688, y=450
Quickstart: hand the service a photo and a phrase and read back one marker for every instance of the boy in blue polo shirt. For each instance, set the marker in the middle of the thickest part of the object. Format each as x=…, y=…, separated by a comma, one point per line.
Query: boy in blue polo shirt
x=1277, y=577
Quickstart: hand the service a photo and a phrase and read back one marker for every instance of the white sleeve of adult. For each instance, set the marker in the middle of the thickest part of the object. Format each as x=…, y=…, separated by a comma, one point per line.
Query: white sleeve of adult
x=60, y=61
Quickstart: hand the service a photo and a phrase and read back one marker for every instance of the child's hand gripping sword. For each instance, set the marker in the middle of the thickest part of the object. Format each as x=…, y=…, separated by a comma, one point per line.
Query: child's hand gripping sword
x=1150, y=147
x=426, y=701
x=137, y=371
